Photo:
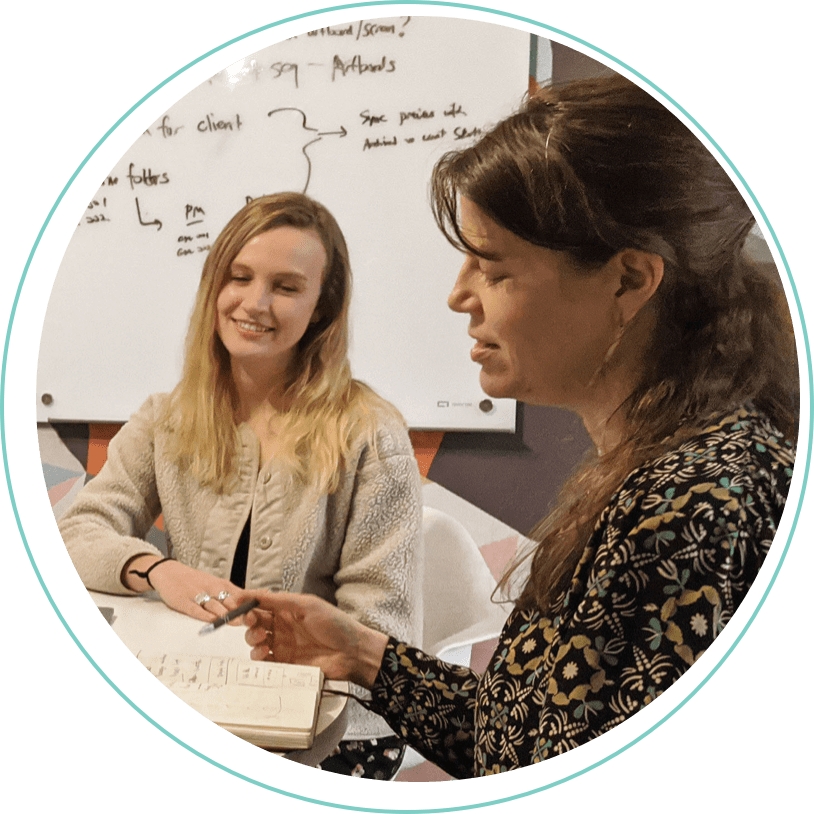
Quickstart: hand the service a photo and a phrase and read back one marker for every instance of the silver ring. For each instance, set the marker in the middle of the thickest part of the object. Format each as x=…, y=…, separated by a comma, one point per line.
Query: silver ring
x=222, y=595
x=202, y=598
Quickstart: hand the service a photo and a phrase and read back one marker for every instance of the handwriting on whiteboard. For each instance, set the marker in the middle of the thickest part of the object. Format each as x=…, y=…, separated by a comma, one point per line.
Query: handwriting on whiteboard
x=221, y=123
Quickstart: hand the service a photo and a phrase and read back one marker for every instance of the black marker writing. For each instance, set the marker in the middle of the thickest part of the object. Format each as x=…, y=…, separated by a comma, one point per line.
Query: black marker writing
x=143, y=222
x=147, y=177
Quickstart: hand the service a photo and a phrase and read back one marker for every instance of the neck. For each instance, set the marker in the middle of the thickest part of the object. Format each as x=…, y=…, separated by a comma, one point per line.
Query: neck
x=601, y=407
x=605, y=424
x=260, y=392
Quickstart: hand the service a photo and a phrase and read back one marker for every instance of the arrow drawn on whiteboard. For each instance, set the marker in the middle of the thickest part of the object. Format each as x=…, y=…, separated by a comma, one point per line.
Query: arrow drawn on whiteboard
x=341, y=133
x=155, y=222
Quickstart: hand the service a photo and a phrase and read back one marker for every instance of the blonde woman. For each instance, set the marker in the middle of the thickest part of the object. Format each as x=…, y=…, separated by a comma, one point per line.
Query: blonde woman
x=271, y=465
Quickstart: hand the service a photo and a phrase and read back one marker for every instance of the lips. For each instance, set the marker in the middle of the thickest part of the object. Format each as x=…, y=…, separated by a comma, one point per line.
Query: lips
x=251, y=327
x=482, y=351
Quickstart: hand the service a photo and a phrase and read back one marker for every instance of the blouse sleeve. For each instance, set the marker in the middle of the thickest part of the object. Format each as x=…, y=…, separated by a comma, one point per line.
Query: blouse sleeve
x=673, y=563
x=431, y=704
x=105, y=526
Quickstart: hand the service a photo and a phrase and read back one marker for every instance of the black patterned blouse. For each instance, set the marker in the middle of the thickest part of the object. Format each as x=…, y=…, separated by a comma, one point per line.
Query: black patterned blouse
x=670, y=560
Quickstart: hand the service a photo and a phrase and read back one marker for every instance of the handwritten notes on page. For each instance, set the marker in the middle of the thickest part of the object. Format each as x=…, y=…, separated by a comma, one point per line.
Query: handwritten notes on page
x=269, y=704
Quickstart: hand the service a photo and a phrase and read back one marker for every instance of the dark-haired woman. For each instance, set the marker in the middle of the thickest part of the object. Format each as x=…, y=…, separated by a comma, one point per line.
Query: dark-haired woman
x=604, y=273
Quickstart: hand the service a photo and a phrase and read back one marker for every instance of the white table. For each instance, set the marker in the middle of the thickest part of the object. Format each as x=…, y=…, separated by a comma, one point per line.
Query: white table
x=145, y=623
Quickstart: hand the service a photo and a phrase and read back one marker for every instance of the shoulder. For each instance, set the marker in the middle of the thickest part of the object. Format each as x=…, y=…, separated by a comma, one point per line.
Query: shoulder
x=379, y=426
x=147, y=418
x=742, y=444
x=155, y=407
x=739, y=467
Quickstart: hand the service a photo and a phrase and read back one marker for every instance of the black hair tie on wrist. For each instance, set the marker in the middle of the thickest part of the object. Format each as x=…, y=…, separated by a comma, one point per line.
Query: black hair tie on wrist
x=146, y=574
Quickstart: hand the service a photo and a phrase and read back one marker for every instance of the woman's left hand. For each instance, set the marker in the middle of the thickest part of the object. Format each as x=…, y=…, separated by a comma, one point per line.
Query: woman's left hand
x=186, y=589
x=304, y=629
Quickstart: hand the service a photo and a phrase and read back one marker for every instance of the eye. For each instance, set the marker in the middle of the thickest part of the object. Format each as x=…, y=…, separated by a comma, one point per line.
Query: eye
x=494, y=279
x=492, y=272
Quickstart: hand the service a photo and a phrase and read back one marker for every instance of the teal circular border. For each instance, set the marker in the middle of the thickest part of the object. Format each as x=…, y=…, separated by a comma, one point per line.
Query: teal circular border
x=53, y=209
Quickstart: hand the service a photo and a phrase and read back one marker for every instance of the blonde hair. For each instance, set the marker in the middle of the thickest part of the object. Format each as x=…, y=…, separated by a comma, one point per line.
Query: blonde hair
x=327, y=405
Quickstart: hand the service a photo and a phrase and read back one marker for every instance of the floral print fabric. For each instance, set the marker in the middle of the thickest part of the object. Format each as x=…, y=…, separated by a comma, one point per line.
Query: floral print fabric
x=670, y=560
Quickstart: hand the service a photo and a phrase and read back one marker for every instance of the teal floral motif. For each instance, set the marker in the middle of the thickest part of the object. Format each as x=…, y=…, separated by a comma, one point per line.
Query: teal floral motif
x=667, y=501
x=679, y=582
x=608, y=655
x=499, y=717
x=586, y=707
x=540, y=750
x=659, y=538
x=655, y=633
x=725, y=534
x=627, y=632
x=727, y=484
x=599, y=583
x=457, y=689
x=391, y=661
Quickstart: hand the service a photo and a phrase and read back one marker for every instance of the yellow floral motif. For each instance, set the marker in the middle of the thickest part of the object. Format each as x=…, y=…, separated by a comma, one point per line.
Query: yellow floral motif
x=652, y=523
x=708, y=592
x=685, y=653
x=638, y=614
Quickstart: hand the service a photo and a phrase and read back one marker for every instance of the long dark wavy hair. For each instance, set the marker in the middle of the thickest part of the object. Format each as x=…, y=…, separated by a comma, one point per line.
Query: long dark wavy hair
x=597, y=166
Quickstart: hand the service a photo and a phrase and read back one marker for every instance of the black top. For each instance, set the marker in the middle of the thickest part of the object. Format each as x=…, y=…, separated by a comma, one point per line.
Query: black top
x=670, y=560
x=241, y=560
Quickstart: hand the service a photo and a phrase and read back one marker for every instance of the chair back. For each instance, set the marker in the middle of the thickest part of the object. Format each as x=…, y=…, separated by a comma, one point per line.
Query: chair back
x=458, y=586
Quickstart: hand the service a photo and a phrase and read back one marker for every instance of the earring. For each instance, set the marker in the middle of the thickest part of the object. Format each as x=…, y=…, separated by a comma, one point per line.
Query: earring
x=609, y=353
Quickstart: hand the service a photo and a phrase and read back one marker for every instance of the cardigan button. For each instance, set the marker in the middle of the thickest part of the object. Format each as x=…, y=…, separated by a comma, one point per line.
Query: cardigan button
x=267, y=477
x=264, y=542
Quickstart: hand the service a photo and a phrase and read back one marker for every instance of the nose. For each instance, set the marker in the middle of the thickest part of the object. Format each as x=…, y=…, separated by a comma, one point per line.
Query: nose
x=463, y=298
x=257, y=297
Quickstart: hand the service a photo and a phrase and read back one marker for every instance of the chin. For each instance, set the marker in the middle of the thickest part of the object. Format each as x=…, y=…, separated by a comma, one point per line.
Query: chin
x=497, y=389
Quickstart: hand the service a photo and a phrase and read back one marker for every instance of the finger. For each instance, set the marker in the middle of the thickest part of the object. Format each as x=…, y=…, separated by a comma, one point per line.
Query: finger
x=216, y=608
x=224, y=598
x=227, y=599
x=261, y=653
x=205, y=607
x=295, y=604
x=256, y=635
x=258, y=617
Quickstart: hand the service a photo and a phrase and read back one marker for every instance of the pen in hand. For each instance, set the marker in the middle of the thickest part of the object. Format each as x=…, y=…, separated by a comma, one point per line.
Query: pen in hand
x=228, y=617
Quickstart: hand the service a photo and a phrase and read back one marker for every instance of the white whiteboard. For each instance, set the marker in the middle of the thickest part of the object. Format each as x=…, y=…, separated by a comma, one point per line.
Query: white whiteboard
x=355, y=115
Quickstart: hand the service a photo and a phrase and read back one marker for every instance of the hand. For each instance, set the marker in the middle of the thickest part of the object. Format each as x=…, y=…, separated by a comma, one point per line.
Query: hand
x=178, y=585
x=304, y=629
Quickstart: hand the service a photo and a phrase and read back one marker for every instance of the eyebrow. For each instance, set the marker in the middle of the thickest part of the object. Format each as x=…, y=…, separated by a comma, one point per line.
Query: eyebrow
x=287, y=273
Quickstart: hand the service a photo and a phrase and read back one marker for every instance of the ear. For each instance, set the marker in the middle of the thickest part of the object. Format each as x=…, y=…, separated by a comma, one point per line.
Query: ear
x=639, y=274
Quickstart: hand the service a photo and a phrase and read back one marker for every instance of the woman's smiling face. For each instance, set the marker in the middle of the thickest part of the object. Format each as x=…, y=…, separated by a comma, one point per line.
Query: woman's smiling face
x=269, y=298
x=542, y=326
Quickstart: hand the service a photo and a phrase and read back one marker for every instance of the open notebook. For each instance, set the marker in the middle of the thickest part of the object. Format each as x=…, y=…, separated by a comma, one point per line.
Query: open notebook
x=268, y=704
